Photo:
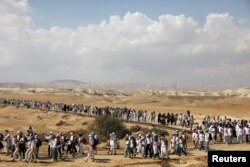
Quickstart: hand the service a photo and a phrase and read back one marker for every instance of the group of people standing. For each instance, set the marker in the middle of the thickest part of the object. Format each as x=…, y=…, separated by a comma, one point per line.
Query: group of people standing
x=218, y=130
x=21, y=146
x=26, y=147
x=151, y=145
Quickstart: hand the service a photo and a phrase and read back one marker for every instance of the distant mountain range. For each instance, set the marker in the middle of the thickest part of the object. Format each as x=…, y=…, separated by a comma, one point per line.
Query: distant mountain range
x=73, y=84
x=53, y=84
x=85, y=88
x=67, y=84
x=16, y=85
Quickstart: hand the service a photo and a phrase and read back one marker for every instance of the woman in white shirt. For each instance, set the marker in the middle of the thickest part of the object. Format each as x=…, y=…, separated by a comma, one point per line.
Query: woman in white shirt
x=225, y=135
x=201, y=140
x=195, y=138
x=206, y=140
x=91, y=153
x=239, y=132
x=164, y=150
x=220, y=128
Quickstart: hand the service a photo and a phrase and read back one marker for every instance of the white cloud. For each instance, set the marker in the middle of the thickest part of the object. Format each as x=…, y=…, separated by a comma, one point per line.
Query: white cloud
x=130, y=48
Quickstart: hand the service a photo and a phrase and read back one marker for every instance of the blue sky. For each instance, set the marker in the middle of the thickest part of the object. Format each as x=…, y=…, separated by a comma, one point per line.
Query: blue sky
x=74, y=13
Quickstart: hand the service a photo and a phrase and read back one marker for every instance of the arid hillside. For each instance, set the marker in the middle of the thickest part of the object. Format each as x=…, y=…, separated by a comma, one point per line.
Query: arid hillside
x=14, y=119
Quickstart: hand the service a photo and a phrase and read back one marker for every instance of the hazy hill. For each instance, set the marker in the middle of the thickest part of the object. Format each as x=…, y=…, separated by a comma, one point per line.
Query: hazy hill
x=67, y=84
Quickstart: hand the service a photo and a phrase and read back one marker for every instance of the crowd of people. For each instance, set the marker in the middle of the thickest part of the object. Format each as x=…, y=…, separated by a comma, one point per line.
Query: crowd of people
x=151, y=145
x=184, y=120
x=218, y=130
x=209, y=131
x=26, y=147
x=21, y=146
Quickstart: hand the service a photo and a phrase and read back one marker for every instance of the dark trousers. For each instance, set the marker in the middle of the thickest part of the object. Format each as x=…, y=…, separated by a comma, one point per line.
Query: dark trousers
x=181, y=150
x=22, y=151
x=54, y=154
x=49, y=152
x=148, y=149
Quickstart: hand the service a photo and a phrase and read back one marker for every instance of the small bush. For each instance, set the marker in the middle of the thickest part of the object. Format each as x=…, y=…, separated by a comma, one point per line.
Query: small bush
x=156, y=130
x=145, y=130
x=135, y=128
x=104, y=125
x=61, y=123
x=159, y=131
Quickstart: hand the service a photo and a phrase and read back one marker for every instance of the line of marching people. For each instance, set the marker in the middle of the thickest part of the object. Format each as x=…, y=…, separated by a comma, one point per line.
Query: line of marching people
x=127, y=114
x=21, y=146
x=26, y=147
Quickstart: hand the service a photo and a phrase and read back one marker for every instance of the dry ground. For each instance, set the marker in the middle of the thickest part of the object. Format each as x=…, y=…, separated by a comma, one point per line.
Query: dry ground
x=43, y=122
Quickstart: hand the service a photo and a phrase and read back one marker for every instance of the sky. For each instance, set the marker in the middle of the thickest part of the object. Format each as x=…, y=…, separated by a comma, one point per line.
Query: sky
x=185, y=42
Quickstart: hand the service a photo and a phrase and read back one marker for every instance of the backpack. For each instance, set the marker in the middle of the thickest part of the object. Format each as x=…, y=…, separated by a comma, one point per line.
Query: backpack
x=95, y=142
x=58, y=141
x=1, y=136
x=39, y=143
x=210, y=137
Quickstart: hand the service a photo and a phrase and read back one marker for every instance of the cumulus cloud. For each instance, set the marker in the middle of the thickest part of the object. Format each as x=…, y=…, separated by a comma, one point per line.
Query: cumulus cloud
x=129, y=48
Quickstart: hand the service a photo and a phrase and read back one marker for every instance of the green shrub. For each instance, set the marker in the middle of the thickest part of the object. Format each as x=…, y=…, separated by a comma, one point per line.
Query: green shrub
x=104, y=125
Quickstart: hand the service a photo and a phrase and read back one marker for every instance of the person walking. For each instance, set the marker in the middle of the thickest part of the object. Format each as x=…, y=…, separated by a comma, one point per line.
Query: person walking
x=247, y=132
x=8, y=140
x=91, y=153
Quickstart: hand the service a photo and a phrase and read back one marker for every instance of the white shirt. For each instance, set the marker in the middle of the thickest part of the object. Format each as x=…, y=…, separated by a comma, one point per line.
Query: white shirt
x=206, y=137
x=239, y=131
x=201, y=137
x=247, y=129
x=229, y=130
x=220, y=129
x=8, y=140
x=148, y=140
x=49, y=138
x=212, y=129
x=225, y=130
x=54, y=143
x=71, y=138
x=163, y=144
x=180, y=142
x=195, y=136
x=177, y=140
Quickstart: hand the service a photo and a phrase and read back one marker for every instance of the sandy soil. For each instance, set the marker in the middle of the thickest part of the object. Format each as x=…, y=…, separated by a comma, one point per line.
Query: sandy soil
x=44, y=122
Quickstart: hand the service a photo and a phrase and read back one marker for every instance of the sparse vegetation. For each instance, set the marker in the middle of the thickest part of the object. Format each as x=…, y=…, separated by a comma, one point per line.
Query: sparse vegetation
x=61, y=123
x=156, y=130
x=104, y=125
x=135, y=128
